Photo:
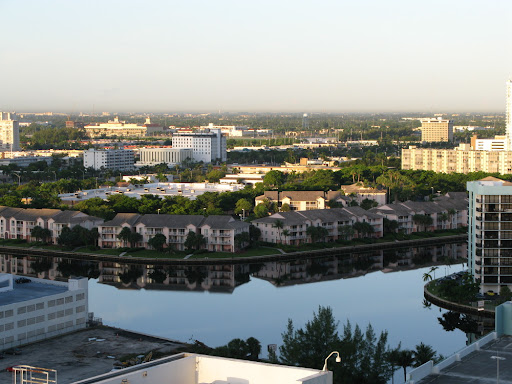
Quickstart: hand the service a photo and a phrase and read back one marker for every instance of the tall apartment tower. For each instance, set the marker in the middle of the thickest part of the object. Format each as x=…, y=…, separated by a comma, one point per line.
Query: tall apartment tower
x=9, y=132
x=508, y=120
x=490, y=233
x=435, y=130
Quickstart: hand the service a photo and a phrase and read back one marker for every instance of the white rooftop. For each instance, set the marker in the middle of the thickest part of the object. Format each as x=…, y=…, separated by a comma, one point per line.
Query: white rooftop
x=186, y=368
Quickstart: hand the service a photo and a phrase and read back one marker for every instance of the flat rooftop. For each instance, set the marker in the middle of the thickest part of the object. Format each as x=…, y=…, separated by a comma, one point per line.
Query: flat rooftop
x=478, y=367
x=29, y=291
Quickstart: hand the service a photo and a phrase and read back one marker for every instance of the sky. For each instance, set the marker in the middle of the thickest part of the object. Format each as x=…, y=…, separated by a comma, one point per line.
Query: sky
x=256, y=56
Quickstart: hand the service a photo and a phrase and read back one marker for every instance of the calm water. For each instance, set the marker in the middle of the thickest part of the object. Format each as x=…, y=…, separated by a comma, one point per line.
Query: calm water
x=215, y=304
x=389, y=299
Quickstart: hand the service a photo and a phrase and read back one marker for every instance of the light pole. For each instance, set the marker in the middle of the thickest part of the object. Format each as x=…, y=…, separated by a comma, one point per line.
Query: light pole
x=338, y=359
x=19, y=177
x=243, y=214
x=497, y=358
x=158, y=210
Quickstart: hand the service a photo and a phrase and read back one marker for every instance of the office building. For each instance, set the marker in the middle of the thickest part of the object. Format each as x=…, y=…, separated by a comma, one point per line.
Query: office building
x=169, y=156
x=34, y=309
x=9, y=132
x=436, y=130
x=120, y=128
x=115, y=159
x=207, y=145
x=462, y=159
x=498, y=143
x=490, y=233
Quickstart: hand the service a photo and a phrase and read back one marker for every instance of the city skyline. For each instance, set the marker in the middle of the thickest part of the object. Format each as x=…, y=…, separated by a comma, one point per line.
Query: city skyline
x=335, y=56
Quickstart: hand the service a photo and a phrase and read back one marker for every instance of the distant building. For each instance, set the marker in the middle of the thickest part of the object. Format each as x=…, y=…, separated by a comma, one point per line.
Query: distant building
x=508, y=119
x=115, y=159
x=498, y=143
x=436, y=130
x=300, y=200
x=39, y=309
x=490, y=233
x=207, y=145
x=462, y=159
x=9, y=132
x=359, y=193
x=169, y=156
x=122, y=129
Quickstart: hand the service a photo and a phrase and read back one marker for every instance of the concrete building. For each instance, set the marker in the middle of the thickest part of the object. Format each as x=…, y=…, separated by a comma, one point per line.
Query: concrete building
x=499, y=143
x=296, y=224
x=462, y=159
x=17, y=223
x=9, y=132
x=207, y=145
x=188, y=368
x=122, y=129
x=115, y=159
x=169, y=156
x=219, y=231
x=162, y=190
x=300, y=200
x=436, y=130
x=39, y=309
x=447, y=212
x=490, y=233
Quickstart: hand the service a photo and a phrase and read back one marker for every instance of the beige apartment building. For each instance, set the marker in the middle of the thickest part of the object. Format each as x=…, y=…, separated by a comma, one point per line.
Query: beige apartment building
x=436, y=130
x=461, y=160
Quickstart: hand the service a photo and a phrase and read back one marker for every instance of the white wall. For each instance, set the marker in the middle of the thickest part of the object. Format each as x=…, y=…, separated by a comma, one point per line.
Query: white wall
x=231, y=371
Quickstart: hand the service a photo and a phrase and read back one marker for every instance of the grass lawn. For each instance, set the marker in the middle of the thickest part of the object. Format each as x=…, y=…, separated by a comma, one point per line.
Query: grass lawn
x=248, y=253
x=157, y=255
x=115, y=252
x=8, y=243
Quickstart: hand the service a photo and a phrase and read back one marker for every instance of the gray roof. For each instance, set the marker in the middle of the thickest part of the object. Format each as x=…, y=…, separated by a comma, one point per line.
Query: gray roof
x=170, y=221
x=397, y=209
x=288, y=218
x=122, y=218
x=223, y=222
x=358, y=211
x=293, y=195
x=425, y=206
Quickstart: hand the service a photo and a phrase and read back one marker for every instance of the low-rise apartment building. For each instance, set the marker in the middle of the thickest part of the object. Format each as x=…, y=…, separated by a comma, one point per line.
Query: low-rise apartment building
x=447, y=212
x=293, y=227
x=37, y=309
x=218, y=231
x=18, y=223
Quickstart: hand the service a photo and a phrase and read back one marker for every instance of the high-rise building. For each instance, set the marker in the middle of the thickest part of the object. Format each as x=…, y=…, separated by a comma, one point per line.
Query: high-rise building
x=9, y=132
x=207, y=145
x=436, y=130
x=490, y=233
x=508, y=121
x=115, y=159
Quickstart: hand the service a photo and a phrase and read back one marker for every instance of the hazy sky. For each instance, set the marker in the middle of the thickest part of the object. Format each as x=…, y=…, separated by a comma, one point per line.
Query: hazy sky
x=263, y=55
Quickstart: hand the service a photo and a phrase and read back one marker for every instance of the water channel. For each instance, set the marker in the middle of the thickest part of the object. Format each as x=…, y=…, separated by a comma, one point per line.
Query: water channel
x=216, y=303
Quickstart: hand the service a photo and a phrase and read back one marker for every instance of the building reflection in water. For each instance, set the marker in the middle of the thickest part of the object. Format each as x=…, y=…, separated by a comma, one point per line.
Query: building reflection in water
x=224, y=278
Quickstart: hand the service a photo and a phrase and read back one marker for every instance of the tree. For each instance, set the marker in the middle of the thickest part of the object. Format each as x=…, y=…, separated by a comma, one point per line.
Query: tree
x=241, y=239
x=243, y=206
x=390, y=226
x=405, y=359
x=505, y=293
x=278, y=224
x=346, y=232
x=134, y=239
x=316, y=233
x=285, y=233
x=261, y=211
x=157, y=242
x=36, y=232
x=253, y=347
x=364, y=354
x=254, y=234
x=286, y=207
x=190, y=241
x=427, y=277
x=125, y=235
x=368, y=203
x=274, y=179
x=422, y=221
x=363, y=229
x=423, y=353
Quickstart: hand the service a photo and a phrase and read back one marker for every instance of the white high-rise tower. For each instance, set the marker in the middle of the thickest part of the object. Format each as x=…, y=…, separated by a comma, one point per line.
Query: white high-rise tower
x=508, y=119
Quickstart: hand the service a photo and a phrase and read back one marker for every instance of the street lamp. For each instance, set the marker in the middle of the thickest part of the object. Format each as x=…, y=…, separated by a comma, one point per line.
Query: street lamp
x=19, y=177
x=158, y=210
x=338, y=359
x=497, y=358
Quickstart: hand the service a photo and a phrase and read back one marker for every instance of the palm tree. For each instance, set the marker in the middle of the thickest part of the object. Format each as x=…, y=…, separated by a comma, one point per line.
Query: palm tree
x=286, y=233
x=405, y=359
x=427, y=277
x=125, y=235
x=423, y=353
x=279, y=225
x=433, y=270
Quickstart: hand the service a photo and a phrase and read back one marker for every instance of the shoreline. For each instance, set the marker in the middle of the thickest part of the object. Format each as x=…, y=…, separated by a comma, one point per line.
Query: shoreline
x=335, y=251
